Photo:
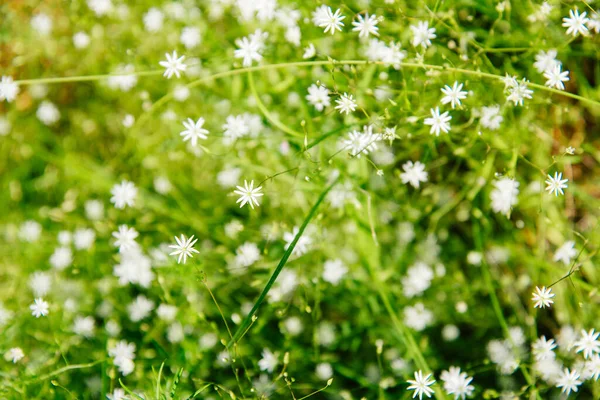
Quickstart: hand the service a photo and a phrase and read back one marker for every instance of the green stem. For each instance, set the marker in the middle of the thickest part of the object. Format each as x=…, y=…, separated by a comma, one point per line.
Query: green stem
x=332, y=63
x=247, y=321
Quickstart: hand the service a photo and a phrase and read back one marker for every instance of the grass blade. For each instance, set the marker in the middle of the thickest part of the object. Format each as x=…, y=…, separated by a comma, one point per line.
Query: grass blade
x=246, y=323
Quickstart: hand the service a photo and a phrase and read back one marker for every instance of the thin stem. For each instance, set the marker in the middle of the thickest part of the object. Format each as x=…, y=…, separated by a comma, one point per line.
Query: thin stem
x=332, y=63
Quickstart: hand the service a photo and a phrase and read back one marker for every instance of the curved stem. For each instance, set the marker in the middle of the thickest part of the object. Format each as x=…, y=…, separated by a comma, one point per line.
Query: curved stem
x=266, y=67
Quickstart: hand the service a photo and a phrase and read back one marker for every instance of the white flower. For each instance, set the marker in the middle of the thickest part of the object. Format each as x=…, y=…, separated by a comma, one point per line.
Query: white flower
x=346, y=104
x=457, y=383
x=518, y=91
x=568, y=381
x=250, y=47
x=490, y=117
x=309, y=52
x=235, y=127
x=40, y=283
x=592, y=367
x=166, y=312
x=175, y=333
x=422, y=34
x=8, y=89
x=331, y=21
x=184, y=248
x=556, y=77
x=84, y=238
x=173, y=65
x=542, y=297
x=303, y=242
x=418, y=279
x=228, y=177
x=545, y=60
x=324, y=371
x=153, y=20
x=565, y=252
x=123, y=354
x=30, y=231
x=190, y=37
x=542, y=349
x=421, y=385
x=61, y=258
x=269, y=361
x=125, y=238
x=366, y=25
x=39, y=308
x=417, y=317
x=100, y=7
x=15, y=355
x=247, y=254
x=42, y=24
x=556, y=184
x=575, y=23
x=134, y=268
x=48, y=113
x=248, y=194
x=439, y=123
x=293, y=326
x=140, y=308
x=588, y=343
x=194, y=131
x=334, y=271
x=123, y=194
x=117, y=394
x=318, y=96
x=84, y=326
x=454, y=94
x=361, y=142
x=504, y=195
x=414, y=173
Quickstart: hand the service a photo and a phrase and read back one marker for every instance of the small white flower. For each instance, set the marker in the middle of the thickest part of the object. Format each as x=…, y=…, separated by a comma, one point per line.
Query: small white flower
x=454, y=94
x=269, y=361
x=318, y=96
x=15, y=355
x=303, y=244
x=346, y=104
x=542, y=297
x=414, y=173
x=566, y=252
x=366, y=25
x=504, y=195
x=588, y=343
x=153, y=20
x=422, y=34
x=8, y=89
x=140, y=308
x=334, y=271
x=184, y=248
x=194, y=131
x=190, y=37
x=309, y=51
x=48, y=113
x=39, y=308
x=331, y=21
x=575, y=23
x=556, y=184
x=250, y=47
x=542, y=349
x=568, y=381
x=545, y=60
x=439, y=123
x=84, y=326
x=421, y=385
x=125, y=238
x=518, y=91
x=123, y=194
x=556, y=77
x=248, y=194
x=173, y=65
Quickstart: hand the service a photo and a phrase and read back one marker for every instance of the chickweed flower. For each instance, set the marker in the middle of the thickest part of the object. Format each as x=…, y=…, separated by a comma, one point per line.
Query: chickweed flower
x=422, y=34
x=366, y=25
x=454, y=94
x=173, y=65
x=542, y=297
x=346, y=104
x=184, y=248
x=556, y=184
x=248, y=194
x=421, y=385
x=331, y=21
x=555, y=77
x=438, y=122
x=39, y=308
x=194, y=131
x=576, y=23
